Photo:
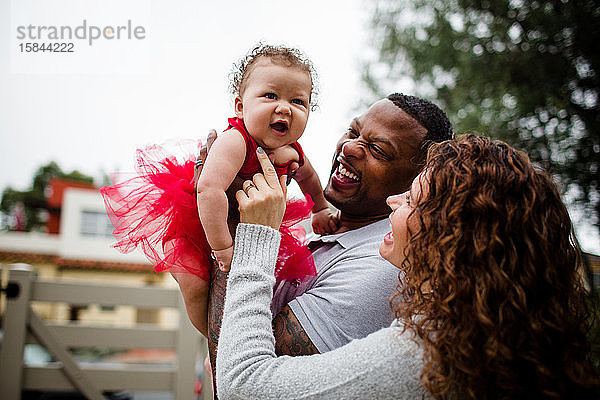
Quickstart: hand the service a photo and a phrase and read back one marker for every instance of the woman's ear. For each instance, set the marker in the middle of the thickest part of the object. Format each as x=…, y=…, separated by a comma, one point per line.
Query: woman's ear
x=239, y=107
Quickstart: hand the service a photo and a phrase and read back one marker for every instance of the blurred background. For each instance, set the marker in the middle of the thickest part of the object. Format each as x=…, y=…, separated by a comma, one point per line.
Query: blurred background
x=522, y=71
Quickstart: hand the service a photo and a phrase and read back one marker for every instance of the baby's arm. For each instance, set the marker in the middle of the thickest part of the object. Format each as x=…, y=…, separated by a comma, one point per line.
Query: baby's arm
x=224, y=161
x=323, y=219
x=283, y=155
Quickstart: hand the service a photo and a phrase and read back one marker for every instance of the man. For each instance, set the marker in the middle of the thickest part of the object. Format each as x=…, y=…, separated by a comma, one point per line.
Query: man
x=379, y=155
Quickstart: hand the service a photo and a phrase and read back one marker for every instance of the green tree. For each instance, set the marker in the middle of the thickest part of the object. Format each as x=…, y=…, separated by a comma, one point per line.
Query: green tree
x=33, y=200
x=523, y=71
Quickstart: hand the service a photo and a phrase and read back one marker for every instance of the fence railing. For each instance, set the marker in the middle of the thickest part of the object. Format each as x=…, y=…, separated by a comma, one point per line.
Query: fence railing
x=22, y=325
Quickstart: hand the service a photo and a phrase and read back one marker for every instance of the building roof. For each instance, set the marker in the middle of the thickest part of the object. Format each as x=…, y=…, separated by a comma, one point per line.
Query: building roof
x=57, y=186
x=36, y=258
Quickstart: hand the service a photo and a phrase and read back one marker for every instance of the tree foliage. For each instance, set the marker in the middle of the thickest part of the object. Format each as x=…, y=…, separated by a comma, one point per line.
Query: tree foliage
x=33, y=201
x=522, y=71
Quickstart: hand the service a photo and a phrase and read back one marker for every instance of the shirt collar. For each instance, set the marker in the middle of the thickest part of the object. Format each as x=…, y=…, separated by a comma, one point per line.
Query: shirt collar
x=353, y=237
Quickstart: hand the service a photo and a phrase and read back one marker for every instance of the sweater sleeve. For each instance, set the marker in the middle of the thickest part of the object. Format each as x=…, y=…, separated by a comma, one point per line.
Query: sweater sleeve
x=382, y=365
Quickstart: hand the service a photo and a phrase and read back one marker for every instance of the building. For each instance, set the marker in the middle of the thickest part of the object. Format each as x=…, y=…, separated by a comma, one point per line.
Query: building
x=77, y=247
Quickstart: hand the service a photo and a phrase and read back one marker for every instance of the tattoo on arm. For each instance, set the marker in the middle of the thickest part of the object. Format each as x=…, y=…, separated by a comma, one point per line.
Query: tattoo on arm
x=290, y=337
x=216, y=301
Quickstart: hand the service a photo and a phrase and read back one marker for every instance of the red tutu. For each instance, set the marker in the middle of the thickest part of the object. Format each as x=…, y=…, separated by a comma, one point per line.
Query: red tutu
x=156, y=211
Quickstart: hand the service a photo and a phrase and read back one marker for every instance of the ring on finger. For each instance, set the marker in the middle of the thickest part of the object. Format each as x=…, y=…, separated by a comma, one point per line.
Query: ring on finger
x=247, y=188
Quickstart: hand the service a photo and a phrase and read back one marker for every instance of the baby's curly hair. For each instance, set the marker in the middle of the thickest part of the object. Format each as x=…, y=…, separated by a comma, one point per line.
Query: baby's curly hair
x=280, y=55
x=491, y=282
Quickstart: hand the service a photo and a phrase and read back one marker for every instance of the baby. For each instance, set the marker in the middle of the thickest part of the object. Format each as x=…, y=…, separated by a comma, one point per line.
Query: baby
x=274, y=95
x=180, y=226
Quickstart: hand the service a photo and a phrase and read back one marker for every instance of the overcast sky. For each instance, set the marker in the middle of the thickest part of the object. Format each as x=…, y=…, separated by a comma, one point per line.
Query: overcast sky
x=89, y=110
x=94, y=121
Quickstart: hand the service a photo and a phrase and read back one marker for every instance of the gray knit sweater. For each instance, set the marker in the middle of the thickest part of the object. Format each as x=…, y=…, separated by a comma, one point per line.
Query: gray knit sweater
x=384, y=365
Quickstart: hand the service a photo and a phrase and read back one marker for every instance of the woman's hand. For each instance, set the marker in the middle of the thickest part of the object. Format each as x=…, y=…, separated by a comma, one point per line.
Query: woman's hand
x=262, y=200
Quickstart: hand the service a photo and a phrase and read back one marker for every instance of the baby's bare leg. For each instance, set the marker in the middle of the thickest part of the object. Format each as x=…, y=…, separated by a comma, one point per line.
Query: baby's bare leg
x=195, y=297
x=193, y=288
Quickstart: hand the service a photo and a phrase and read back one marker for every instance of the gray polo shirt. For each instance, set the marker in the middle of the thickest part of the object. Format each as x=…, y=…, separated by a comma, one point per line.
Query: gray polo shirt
x=349, y=297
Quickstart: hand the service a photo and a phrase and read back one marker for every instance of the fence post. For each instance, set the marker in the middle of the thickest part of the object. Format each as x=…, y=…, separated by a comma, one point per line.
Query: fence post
x=187, y=348
x=15, y=329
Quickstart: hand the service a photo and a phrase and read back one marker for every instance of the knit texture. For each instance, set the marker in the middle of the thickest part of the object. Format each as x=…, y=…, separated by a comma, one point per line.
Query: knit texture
x=384, y=365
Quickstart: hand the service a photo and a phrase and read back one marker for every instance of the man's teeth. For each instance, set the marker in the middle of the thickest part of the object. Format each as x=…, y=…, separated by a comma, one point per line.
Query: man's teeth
x=346, y=173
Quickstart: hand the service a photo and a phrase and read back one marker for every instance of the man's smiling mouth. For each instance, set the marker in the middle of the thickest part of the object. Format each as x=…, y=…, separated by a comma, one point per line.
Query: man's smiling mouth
x=343, y=174
x=341, y=170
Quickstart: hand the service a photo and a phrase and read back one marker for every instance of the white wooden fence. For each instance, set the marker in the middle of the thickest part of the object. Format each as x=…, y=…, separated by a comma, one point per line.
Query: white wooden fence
x=22, y=325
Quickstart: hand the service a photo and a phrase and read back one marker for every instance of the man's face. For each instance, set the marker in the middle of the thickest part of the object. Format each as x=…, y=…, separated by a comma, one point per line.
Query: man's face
x=377, y=157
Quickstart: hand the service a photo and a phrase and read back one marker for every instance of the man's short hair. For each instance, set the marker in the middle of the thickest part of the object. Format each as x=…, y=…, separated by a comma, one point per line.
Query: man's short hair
x=430, y=116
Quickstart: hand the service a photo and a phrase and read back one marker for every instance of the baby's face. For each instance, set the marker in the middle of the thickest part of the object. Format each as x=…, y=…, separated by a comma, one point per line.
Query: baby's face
x=275, y=104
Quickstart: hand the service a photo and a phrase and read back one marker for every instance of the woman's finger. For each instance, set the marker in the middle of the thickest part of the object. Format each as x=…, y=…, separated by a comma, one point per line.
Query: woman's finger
x=242, y=199
x=247, y=186
x=283, y=183
x=267, y=168
x=260, y=182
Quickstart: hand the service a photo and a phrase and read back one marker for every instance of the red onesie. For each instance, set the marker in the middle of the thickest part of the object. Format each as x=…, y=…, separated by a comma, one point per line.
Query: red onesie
x=159, y=205
x=251, y=165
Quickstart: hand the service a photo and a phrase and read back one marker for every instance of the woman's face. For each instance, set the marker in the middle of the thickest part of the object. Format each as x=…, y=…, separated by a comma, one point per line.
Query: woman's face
x=394, y=243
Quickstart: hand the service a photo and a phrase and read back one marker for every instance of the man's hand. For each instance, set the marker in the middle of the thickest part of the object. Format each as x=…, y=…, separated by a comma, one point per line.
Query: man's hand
x=325, y=222
x=210, y=139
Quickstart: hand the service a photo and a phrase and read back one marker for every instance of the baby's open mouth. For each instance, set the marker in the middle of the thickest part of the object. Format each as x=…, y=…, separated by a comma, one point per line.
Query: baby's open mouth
x=280, y=127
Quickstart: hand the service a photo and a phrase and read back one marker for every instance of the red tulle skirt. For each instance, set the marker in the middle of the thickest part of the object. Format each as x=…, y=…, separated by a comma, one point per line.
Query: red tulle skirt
x=156, y=211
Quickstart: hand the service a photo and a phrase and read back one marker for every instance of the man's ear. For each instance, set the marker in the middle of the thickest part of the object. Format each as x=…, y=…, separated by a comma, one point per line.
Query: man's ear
x=239, y=107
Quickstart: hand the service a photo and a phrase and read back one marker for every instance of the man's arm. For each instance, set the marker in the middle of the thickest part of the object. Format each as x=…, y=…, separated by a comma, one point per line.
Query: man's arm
x=218, y=279
x=216, y=300
x=290, y=337
x=218, y=284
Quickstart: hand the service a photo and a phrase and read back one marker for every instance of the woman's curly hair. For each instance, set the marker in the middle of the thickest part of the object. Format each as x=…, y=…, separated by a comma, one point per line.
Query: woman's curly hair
x=280, y=55
x=491, y=282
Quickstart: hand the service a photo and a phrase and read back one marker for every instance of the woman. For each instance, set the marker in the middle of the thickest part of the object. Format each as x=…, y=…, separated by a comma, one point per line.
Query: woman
x=490, y=302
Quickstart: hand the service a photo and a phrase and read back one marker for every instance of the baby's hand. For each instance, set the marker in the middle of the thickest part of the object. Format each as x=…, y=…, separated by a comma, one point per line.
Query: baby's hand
x=224, y=258
x=324, y=221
